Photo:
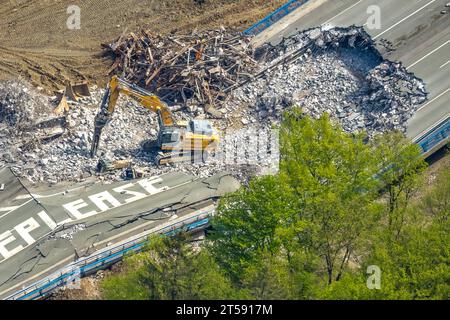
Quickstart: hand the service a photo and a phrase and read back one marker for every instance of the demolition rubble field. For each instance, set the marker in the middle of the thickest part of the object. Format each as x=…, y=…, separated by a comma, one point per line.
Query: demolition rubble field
x=215, y=75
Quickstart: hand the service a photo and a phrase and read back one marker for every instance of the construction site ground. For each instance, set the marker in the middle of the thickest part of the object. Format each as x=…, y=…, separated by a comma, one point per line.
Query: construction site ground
x=37, y=45
x=214, y=74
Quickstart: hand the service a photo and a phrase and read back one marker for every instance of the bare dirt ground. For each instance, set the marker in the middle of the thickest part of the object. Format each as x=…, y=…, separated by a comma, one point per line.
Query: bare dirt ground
x=37, y=45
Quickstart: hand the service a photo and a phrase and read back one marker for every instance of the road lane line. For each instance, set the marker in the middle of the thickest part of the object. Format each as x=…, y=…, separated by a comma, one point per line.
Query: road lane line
x=444, y=64
x=7, y=210
x=342, y=12
x=429, y=102
x=16, y=207
x=60, y=193
x=3, y=209
x=396, y=24
x=427, y=55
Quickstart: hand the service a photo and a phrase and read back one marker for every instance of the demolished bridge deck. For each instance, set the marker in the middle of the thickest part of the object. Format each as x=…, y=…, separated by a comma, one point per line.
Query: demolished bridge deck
x=41, y=233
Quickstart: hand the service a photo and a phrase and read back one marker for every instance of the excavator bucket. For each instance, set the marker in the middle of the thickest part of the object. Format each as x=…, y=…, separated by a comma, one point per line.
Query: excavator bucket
x=72, y=92
x=62, y=106
x=76, y=90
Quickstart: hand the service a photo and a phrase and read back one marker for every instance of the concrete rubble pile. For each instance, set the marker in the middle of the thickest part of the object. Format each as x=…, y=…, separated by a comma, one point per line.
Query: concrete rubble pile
x=20, y=106
x=67, y=158
x=338, y=71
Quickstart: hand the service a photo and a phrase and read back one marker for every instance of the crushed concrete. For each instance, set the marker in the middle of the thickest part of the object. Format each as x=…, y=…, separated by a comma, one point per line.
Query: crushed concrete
x=338, y=71
x=68, y=157
x=68, y=233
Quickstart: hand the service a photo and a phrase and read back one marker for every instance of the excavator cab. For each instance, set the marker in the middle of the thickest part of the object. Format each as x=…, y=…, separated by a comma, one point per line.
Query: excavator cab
x=190, y=142
x=202, y=127
x=169, y=137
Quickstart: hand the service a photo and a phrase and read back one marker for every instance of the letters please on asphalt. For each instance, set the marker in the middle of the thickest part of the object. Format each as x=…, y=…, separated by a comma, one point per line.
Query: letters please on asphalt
x=40, y=224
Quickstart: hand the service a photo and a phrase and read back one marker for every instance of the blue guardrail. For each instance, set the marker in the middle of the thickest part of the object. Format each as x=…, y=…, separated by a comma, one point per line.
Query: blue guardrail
x=435, y=136
x=43, y=287
x=274, y=17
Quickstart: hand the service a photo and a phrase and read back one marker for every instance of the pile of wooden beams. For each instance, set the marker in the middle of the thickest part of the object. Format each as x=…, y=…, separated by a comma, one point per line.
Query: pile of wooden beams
x=195, y=70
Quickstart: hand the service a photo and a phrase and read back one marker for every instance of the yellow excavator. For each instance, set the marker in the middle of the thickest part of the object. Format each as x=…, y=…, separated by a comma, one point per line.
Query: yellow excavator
x=176, y=142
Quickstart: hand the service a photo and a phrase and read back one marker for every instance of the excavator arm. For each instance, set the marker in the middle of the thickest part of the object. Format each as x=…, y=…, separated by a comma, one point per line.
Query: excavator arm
x=119, y=86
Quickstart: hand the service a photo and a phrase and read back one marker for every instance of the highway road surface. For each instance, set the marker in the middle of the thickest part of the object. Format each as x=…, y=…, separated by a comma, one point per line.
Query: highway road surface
x=419, y=32
x=42, y=231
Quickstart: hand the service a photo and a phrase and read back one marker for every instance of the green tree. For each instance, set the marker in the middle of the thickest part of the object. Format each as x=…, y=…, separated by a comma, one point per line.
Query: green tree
x=436, y=204
x=331, y=173
x=169, y=269
x=248, y=223
x=401, y=167
x=415, y=263
x=274, y=276
x=321, y=203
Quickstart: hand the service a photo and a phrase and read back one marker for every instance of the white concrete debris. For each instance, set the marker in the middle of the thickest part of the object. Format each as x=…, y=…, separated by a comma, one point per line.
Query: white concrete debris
x=338, y=71
x=32, y=106
x=67, y=157
x=68, y=233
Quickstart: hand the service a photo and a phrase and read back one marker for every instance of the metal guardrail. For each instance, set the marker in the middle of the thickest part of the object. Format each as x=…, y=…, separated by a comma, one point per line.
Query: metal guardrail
x=435, y=136
x=274, y=17
x=89, y=264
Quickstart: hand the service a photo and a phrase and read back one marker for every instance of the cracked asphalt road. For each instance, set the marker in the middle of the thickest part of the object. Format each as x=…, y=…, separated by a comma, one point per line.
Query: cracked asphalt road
x=42, y=232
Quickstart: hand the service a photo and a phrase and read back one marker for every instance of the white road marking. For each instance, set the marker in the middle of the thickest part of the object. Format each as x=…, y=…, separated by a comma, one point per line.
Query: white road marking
x=48, y=221
x=429, y=102
x=396, y=24
x=428, y=54
x=444, y=64
x=61, y=193
x=17, y=207
x=23, y=196
x=8, y=208
x=342, y=12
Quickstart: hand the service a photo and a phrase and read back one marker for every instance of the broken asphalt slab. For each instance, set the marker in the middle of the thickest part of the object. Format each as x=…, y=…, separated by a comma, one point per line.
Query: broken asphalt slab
x=41, y=233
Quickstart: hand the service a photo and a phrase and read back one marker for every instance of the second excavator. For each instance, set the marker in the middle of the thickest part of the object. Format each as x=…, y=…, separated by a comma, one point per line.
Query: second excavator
x=177, y=142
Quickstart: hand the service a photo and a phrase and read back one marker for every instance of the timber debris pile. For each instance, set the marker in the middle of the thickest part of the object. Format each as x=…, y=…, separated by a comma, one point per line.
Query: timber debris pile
x=195, y=70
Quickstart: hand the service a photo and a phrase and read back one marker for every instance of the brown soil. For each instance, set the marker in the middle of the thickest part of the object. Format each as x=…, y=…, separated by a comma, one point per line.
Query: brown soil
x=37, y=45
